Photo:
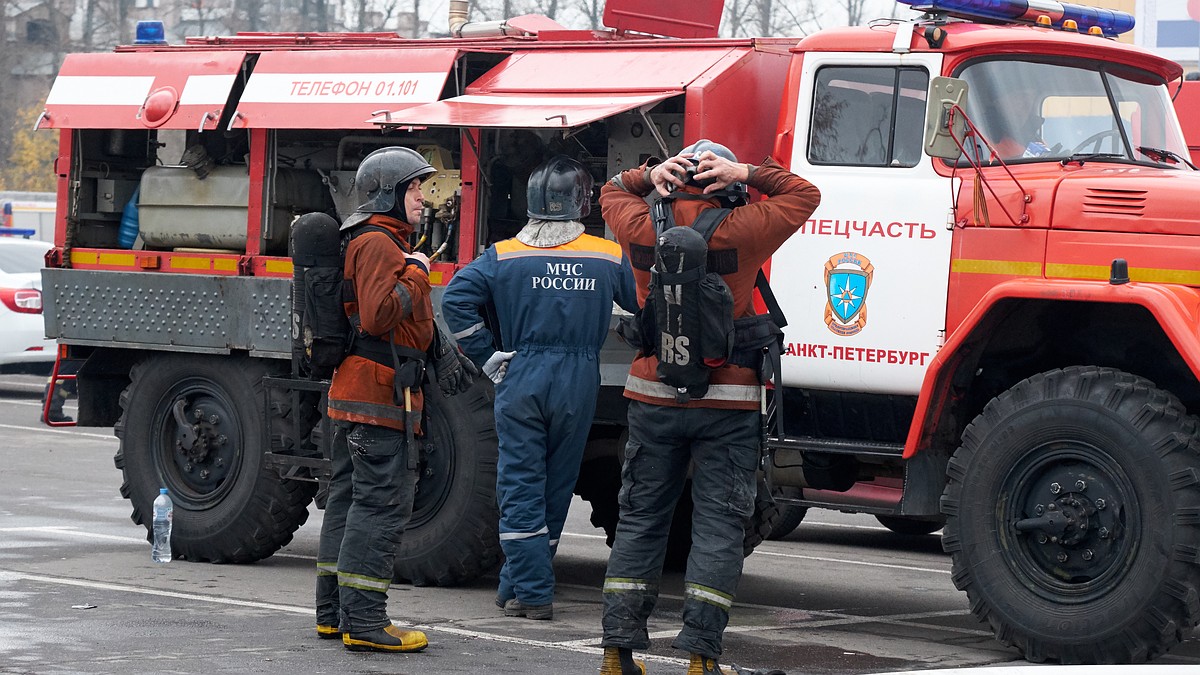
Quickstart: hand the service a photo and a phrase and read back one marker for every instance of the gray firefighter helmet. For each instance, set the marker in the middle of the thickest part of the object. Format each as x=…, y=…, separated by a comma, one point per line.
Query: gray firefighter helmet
x=386, y=172
x=560, y=189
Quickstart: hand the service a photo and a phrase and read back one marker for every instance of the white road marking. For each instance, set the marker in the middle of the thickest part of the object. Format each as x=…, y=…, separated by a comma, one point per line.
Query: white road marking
x=37, y=404
x=850, y=619
x=48, y=430
x=845, y=526
x=28, y=386
x=121, y=588
x=794, y=556
x=68, y=531
x=9, y=575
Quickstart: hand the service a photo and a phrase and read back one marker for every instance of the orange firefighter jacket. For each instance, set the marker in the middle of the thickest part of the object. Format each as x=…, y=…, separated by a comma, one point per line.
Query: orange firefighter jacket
x=392, y=303
x=754, y=231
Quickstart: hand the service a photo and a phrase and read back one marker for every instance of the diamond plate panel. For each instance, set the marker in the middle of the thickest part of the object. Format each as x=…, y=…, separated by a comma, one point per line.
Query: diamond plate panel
x=168, y=311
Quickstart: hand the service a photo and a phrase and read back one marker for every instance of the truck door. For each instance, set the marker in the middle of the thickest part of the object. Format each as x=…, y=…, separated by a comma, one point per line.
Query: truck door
x=863, y=283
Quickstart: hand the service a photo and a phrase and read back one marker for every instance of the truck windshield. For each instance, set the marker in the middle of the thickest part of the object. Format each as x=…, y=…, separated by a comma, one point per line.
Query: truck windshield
x=1041, y=111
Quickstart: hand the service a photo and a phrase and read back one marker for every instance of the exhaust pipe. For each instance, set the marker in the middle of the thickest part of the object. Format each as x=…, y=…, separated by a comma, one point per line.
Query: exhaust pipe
x=462, y=28
x=459, y=9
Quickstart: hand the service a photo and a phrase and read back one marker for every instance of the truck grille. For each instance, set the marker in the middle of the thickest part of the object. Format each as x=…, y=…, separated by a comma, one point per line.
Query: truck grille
x=1110, y=202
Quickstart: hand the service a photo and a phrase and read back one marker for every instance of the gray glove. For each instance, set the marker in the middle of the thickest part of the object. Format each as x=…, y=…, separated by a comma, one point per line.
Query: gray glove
x=497, y=366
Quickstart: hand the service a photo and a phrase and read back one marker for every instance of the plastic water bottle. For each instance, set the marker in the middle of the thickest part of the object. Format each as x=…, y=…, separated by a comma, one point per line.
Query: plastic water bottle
x=163, y=514
x=128, y=232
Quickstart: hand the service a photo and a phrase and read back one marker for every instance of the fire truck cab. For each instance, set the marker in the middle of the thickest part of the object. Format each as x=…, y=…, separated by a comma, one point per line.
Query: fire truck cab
x=994, y=316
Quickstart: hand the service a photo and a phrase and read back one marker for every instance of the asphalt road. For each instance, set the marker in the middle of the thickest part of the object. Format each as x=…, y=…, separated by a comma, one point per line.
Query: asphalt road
x=79, y=593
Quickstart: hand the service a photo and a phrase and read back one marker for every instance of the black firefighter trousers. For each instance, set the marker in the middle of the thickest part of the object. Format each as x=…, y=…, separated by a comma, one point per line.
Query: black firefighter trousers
x=371, y=492
x=723, y=447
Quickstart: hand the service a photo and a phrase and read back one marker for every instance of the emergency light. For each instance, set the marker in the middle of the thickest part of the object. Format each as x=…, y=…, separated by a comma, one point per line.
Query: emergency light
x=149, y=33
x=1062, y=15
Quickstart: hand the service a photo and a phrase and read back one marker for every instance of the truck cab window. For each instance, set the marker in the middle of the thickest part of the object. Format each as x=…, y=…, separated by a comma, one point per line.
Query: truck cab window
x=868, y=116
x=1030, y=111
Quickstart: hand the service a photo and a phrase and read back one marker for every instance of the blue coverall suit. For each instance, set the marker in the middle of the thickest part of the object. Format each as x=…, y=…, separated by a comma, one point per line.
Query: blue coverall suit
x=553, y=306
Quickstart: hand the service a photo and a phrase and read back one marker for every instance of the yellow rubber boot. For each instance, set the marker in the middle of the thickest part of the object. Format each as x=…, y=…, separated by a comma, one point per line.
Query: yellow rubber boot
x=620, y=661
x=386, y=639
x=702, y=665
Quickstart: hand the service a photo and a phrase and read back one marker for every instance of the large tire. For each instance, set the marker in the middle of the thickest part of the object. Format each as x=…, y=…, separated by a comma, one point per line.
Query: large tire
x=913, y=527
x=229, y=507
x=790, y=515
x=452, y=536
x=1071, y=517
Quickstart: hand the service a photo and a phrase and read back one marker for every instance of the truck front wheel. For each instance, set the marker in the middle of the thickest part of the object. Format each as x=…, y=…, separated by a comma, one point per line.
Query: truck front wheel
x=1071, y=517
x=193, y=424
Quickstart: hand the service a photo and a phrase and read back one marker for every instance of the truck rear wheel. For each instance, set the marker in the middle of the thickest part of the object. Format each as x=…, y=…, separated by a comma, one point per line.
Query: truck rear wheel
x=679, y=540
x=1071, y=517
x=601, y=479
x=193, y=424
x=452, y=536
x=790, y=515
x=605, y=515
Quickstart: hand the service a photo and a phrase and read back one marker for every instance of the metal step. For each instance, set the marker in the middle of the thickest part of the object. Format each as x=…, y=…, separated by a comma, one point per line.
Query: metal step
x=837, y=445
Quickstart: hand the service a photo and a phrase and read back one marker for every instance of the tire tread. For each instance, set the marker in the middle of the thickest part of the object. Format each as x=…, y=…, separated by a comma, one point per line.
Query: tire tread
x=1173, y=436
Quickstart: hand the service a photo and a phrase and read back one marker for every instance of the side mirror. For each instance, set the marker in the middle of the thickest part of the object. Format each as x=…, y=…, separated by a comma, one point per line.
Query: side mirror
x=944, y=93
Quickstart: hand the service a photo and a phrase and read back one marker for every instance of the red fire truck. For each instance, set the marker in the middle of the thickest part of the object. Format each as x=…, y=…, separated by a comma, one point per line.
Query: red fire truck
x=994, y=315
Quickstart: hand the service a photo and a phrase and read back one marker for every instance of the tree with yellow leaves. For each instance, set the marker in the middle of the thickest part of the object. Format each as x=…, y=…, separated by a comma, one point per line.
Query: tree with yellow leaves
x=30, y=165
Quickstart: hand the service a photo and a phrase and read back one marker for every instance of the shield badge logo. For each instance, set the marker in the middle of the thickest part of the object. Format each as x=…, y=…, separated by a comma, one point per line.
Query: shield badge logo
x=848, y=277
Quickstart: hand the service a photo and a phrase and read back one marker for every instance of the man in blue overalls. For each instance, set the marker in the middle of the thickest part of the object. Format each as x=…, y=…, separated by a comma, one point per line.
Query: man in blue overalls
x=551, y=289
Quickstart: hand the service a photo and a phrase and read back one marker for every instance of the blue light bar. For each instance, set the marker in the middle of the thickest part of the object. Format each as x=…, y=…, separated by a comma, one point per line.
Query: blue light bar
x=150, y=33
x=1110, y=22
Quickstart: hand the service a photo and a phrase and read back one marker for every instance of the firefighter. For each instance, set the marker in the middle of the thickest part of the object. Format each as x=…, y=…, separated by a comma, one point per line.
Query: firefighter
x=718, y=433
x=551, y=290
x=1014, y=124
x=374, y=401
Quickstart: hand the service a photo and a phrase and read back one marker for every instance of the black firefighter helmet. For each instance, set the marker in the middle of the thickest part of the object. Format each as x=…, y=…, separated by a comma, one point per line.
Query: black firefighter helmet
x=386, y=172
x=560, y=189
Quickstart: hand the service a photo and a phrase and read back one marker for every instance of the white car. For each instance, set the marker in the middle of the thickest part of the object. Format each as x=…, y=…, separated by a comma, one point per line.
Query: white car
x=23, y=345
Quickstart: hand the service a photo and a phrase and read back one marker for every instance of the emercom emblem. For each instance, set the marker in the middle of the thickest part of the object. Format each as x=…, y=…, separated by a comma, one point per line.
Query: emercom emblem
x=847, y=279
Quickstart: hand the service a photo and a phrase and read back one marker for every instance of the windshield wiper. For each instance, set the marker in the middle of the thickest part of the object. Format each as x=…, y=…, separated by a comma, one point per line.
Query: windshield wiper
x=1164, y=156
x=1082, y=157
